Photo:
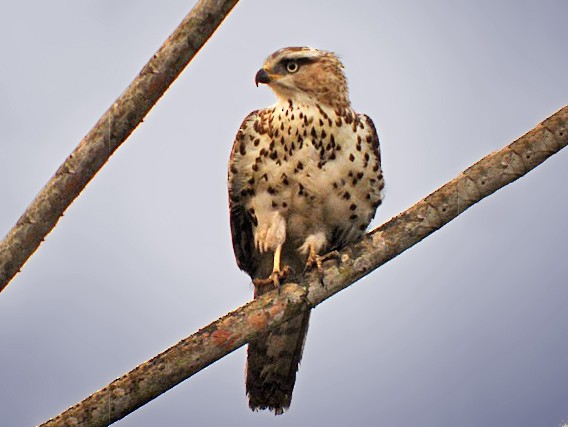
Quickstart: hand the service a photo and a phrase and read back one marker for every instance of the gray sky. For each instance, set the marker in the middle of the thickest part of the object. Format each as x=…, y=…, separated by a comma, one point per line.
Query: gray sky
x=468, y=328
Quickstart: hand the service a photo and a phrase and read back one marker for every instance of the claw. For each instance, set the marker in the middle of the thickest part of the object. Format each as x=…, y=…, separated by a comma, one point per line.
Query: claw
x=274, y=279
x=277, y=274
x=331, y=255
x=314, y=261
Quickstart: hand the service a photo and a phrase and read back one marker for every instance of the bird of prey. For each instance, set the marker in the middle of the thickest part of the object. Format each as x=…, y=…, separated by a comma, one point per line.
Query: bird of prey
x=304, y=178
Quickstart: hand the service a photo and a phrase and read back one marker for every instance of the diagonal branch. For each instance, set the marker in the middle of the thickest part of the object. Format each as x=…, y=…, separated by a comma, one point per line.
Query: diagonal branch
x=112, y=129
x=225, y=335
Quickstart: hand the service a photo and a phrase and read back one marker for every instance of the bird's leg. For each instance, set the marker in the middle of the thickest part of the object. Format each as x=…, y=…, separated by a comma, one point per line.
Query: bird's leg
x=270, y=235
x=311, y=247
x=277, y=255
x=278, y=273
x=314, y=260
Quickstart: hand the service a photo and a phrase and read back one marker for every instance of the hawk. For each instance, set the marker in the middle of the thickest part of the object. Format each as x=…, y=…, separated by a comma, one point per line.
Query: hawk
x=304, y=178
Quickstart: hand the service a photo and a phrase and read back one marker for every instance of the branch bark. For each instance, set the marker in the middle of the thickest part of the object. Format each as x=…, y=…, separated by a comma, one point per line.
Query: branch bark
x=112, y=129
x=225, y=335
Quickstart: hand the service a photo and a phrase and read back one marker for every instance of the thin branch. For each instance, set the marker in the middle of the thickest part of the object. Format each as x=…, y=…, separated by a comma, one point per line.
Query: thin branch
x=112, y=129
x=225, y=335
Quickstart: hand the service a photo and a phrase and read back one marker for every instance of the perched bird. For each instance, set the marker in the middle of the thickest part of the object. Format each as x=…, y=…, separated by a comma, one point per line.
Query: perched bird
x=304, y=178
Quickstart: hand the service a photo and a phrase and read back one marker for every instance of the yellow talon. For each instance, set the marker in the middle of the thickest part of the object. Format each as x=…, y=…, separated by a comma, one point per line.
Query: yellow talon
x=277, y=274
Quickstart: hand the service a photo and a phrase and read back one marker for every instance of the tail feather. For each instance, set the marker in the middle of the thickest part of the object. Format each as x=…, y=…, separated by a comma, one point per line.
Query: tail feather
x=272, y=362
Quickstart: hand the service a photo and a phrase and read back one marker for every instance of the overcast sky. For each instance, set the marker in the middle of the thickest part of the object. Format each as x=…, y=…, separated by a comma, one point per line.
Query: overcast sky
x=468, y=328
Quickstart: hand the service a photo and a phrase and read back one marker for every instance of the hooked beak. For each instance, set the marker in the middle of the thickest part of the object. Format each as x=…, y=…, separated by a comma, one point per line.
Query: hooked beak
x=262, y=77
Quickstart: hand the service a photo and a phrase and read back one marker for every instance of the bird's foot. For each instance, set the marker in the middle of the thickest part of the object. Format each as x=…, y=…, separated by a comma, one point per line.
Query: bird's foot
x=274, y=280
x=314, y=261
x=314, y=244
x=331, y=255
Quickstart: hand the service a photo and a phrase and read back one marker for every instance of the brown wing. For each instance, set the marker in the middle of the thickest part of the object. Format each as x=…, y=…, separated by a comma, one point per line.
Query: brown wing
x=240, y=220
x=378, y=181
x=373, y=141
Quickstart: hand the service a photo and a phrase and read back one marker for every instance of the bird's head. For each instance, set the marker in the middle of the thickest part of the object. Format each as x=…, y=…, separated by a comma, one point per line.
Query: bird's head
x=305, y=75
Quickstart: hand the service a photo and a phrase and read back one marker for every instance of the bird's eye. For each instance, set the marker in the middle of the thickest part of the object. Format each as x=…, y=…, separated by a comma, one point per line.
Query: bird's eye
x=292, y=66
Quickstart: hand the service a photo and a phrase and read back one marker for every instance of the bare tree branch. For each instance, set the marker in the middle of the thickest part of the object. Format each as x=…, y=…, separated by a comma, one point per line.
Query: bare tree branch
x=112, y=129
x=223, y=336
